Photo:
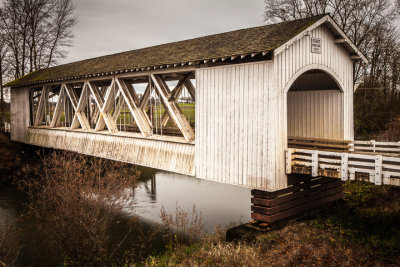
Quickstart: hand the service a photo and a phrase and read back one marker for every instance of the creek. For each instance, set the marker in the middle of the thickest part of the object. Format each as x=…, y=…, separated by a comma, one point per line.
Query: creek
x=219, y=204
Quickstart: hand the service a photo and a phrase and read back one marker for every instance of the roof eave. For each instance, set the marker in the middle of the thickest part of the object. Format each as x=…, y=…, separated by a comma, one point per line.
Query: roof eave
x=356, y=54
x=143, y=69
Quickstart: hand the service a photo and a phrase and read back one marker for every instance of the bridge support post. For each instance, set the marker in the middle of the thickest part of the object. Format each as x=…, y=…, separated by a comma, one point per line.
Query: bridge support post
x=304, y=193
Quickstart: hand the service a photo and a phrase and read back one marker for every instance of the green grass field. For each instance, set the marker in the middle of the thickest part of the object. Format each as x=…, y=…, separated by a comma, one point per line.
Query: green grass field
x=125, y=116
x=188, y=111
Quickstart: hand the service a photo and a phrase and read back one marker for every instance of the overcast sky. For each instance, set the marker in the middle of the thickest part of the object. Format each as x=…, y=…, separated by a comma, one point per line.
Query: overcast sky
x=111, y=26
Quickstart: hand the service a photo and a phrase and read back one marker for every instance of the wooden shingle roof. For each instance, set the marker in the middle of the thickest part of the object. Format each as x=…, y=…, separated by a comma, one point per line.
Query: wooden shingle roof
x=252, y=40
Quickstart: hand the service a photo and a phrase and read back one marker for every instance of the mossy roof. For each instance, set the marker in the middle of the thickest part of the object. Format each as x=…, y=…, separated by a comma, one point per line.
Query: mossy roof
x=252, y=40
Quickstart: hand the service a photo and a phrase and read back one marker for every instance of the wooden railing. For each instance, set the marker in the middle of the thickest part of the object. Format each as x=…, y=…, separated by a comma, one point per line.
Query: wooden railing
x=319, y=144
x=374, y=147
x=371, y=147
x=376, y=169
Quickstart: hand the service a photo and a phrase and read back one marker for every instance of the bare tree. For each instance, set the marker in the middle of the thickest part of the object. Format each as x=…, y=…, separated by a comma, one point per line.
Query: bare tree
x=3, y=54
x=359, y=19
x=36, y=32
x=371, y=26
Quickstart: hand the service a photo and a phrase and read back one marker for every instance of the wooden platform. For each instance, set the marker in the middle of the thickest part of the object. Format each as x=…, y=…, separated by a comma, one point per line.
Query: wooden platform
x=304, y=194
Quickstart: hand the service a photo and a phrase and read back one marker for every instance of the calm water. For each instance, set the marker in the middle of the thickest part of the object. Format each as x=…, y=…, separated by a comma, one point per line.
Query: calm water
x=220, y=204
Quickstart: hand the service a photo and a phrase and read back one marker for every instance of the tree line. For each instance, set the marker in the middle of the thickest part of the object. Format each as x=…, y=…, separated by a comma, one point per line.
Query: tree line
x=371, y=26
x=34, y=34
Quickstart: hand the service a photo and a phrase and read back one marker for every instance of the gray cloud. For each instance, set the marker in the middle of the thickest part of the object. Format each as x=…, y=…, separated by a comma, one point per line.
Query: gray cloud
x=107, y=27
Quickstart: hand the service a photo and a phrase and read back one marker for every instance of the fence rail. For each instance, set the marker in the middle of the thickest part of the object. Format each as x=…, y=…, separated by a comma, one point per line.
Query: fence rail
x=374, y=147
x=347, y=166
x=371, y=147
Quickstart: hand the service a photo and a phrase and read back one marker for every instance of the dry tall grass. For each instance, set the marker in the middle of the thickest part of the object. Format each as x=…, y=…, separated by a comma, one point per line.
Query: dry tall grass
x=182, y=228
x=9, y=247
x=361, y=231
x=74, y=201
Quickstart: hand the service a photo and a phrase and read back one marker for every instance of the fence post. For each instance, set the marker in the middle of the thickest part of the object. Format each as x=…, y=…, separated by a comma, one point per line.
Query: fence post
x=386, y=177
x=344, y=166
x=314, y=163
x=288, y=160
x=373, y=145
x=378, y=170
x=352, y=174
x=7, y=127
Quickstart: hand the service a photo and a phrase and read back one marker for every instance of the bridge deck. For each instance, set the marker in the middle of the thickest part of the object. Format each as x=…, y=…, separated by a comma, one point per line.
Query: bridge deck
x=160, y=152
x=376, y=162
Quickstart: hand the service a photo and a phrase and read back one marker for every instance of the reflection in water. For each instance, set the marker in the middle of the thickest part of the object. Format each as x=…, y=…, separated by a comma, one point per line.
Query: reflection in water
x=219, y=203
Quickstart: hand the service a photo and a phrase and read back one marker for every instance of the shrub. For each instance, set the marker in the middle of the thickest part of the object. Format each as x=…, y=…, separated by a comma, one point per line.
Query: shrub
x=75, y=199
x=9, y=247
x=180, y=228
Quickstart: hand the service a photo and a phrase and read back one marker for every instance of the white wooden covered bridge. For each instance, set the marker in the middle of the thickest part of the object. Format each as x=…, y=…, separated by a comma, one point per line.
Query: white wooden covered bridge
x=247, y=107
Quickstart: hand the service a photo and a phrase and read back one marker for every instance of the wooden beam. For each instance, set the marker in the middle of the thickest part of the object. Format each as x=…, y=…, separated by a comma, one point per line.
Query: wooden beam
x=57, y=112
x=104, y=105
x=119, y=104
x=355, y=57
x=340, y=40
x=96, y=112
x=191, y=89
x=72, y=95
x=138, y=114
x=80, y=117
x=173, y=96
x=128, y=75
x=132, y=92
x=145, y=98
x=173, y=108
x=41, y=107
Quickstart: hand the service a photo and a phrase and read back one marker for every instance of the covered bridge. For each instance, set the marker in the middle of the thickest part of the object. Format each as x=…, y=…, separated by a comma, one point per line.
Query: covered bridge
x=227, y=107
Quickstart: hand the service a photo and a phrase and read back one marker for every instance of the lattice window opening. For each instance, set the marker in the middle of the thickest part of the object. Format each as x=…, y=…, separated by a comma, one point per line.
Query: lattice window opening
x=92, y=110
x=43, y=103
x=148, y=100
x=81, y=111
x=35, y=95
x=125, y=121
x=184, y=97
x=135, y=105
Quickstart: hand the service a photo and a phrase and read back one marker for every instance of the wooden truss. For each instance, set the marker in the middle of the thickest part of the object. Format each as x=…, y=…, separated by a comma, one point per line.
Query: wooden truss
x=173, y=108
x=109, y=101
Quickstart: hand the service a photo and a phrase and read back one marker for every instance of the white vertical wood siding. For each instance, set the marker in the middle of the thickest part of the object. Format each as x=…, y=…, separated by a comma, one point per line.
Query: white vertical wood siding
x=317, y=114
x=293, y=61
x=176, y=157
x=234, y=118
x=19, y=114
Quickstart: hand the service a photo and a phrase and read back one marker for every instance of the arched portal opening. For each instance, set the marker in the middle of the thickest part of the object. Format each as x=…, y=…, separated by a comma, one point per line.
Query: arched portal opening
x=315, y=107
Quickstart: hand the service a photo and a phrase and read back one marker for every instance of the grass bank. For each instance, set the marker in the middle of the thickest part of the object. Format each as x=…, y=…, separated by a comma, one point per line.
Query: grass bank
x=361, y=230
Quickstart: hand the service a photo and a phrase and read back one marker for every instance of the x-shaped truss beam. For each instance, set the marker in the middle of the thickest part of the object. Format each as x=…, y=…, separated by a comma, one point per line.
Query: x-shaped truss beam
x=104, y=105
x=80, y=118
x=173, y=108
x=42, y=105
x=133, y=104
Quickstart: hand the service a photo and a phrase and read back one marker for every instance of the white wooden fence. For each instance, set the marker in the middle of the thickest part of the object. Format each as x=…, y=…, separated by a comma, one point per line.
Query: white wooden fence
x=7, y=127
x=374, y=147
x=380, y=168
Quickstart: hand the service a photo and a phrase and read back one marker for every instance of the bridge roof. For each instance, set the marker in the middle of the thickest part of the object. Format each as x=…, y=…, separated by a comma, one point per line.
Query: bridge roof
x=263, y=39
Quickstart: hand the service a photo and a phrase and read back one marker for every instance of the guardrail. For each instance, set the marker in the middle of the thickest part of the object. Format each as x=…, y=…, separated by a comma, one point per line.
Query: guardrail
x=371, y=147
x=380, y=169
x=374, y=147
